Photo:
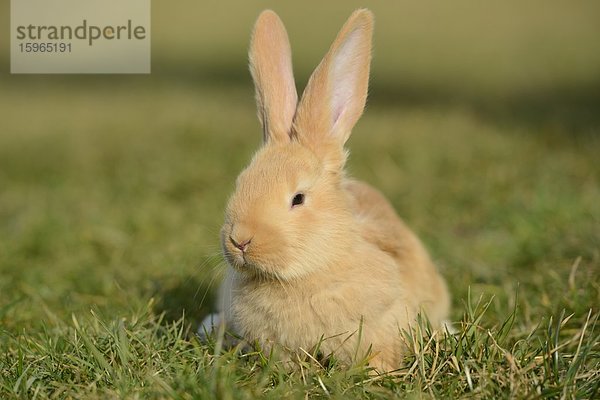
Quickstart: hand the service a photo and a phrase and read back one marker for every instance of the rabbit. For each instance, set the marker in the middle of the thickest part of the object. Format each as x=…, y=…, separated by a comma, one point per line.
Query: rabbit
x=313, y=253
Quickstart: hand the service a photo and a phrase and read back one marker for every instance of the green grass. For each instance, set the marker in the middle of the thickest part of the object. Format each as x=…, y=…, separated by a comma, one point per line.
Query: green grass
x=485, y=140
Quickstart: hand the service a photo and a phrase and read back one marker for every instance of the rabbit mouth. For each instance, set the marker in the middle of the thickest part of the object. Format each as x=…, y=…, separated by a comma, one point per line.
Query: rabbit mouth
x=243, y=262
x=235, y=258
x=238, y=259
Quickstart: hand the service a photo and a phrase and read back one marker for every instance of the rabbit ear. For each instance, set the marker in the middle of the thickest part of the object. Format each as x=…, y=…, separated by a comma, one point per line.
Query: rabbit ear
x=336, y=93
x=271, y=68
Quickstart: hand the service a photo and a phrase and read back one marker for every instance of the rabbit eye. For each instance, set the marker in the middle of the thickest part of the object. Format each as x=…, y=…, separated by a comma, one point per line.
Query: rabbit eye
x=298, y=199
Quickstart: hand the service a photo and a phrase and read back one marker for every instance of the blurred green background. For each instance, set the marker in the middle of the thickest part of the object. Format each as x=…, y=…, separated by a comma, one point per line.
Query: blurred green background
x=482, y=127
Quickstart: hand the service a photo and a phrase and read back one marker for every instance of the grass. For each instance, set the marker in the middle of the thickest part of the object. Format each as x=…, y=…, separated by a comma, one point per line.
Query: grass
x=112, y=190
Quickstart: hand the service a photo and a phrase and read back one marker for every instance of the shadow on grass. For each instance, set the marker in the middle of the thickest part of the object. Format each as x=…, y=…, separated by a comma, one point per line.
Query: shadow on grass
x=568, y=109
x=189, y=297
x=571, y=110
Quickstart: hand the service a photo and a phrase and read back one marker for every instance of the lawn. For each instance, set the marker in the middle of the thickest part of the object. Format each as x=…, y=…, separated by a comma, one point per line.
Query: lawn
x=482, y=128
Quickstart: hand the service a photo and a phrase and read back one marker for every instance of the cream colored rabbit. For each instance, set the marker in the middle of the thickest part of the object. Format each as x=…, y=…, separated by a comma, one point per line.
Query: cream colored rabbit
x=312, y=252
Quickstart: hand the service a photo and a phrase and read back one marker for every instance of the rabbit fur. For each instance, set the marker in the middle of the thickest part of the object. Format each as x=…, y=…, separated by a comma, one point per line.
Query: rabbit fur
x=313, y=253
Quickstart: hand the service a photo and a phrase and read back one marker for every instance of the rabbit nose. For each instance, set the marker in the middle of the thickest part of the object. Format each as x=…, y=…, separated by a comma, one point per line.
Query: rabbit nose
x=242, y=245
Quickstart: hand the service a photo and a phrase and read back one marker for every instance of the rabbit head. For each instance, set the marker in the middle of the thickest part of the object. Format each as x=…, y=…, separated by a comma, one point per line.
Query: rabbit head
x=289, y=215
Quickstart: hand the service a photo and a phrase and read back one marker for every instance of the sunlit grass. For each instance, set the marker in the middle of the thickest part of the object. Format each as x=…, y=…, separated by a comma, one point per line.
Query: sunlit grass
x=112, y=191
